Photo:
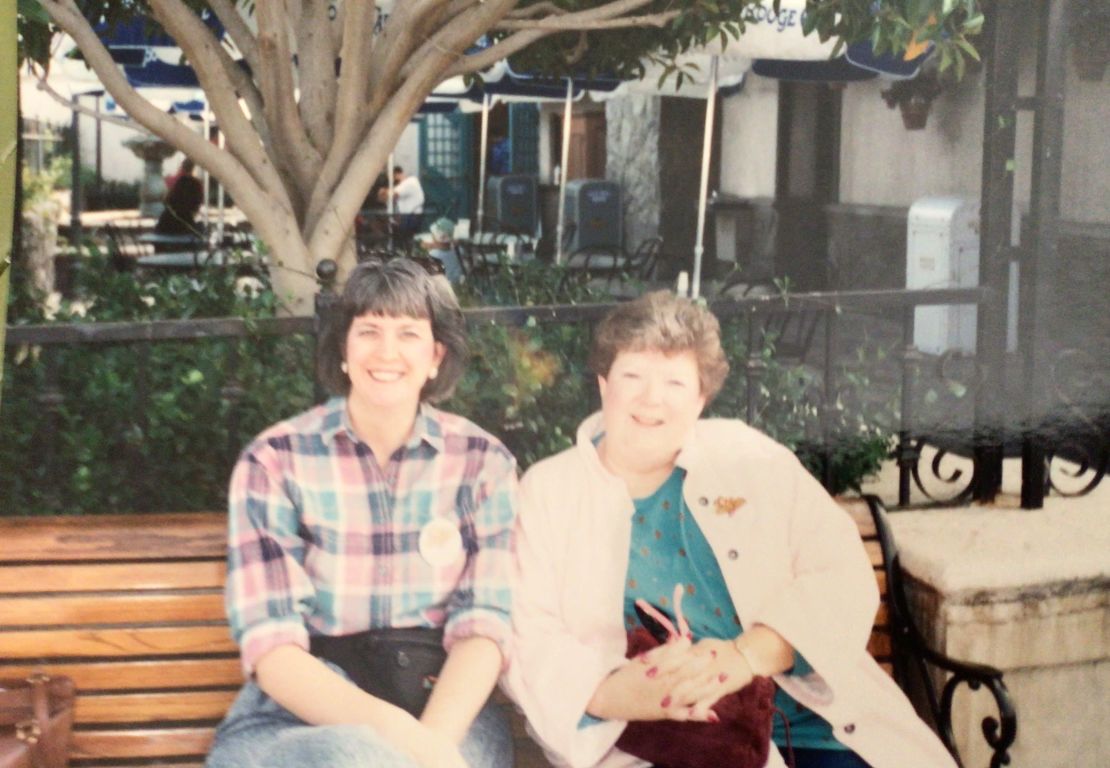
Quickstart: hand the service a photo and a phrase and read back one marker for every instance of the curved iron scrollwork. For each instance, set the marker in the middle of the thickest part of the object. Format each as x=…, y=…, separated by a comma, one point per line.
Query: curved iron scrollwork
x=955, y=474
x=1079, y=447
x=910, y=647
x=943, y=421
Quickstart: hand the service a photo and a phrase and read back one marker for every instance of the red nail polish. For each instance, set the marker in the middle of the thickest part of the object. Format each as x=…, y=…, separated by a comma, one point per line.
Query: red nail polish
x=722, y=677
x=712, y=717
x=652, y=672
x=666, y=702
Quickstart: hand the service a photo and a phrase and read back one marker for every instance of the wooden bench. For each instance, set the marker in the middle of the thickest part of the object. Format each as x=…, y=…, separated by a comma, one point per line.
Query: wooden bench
x=131, y=607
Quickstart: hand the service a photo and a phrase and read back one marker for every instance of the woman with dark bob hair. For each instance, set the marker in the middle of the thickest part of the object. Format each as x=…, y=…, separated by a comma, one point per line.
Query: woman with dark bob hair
x=714, y=528
x=370, y=553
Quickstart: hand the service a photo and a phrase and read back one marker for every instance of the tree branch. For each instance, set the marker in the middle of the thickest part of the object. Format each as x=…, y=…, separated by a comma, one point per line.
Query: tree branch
x=502, y=49
x=275, y=76
x=228, y=14
x=395, y=45
x=565, y=24
x=203, y=52
x=455, y=37
x=316, y=56
x=262, y=208
x=536, y=10
x=43, y=85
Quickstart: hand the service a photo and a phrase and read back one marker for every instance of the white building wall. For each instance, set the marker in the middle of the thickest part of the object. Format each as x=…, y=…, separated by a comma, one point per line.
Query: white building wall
x=749, y=135
x=882, y=163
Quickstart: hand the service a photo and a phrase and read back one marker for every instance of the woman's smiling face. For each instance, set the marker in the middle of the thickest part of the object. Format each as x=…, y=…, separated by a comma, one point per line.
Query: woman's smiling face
x=649, y=403
x=389, y=359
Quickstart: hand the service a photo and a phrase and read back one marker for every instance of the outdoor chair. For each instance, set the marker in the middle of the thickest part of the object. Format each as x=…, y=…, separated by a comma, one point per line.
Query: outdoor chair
x=124, y=247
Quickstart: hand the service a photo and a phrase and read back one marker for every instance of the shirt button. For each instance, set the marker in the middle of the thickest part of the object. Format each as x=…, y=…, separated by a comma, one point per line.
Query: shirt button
x=850, y=728
x=703, y=501
x=733, y=554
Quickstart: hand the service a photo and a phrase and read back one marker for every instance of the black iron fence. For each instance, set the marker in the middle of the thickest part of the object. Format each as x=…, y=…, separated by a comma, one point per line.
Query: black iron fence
x=843, y=363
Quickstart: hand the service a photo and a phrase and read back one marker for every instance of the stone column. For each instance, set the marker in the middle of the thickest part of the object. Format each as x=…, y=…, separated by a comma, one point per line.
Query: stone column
x=632, y=160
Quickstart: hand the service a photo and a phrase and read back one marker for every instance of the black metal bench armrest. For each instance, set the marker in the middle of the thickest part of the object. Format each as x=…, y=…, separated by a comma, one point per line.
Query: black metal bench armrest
x=910, y=647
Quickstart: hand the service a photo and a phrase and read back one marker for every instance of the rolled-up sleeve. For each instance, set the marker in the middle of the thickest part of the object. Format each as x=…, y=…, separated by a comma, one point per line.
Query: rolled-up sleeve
x=482, y=602
x=268, y=592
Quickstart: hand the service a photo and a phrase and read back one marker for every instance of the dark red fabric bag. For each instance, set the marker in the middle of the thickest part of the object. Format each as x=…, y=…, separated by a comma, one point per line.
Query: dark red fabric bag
x=741, y=739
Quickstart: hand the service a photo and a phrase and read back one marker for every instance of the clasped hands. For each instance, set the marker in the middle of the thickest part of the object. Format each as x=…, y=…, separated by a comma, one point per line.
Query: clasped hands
x=678, y=680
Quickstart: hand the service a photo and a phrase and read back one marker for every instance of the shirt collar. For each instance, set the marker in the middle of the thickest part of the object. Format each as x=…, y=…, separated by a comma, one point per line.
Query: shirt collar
x=426, y=429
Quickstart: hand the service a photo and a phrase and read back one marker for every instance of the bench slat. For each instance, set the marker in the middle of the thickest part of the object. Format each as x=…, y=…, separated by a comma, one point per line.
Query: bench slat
x=111, y=609
x=861, y=514
x=145, y=764
x=32, y=579
x=115, y=643
x=114, y=537
x=133, y=708
x=156, y=743
x=140, y=675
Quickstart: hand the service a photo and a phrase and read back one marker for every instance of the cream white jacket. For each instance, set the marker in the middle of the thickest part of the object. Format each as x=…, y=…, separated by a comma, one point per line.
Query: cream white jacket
x=792, y=559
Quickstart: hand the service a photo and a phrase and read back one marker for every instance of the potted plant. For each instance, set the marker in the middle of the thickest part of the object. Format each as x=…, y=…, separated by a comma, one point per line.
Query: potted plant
x=1089, y=29
x=913, y=97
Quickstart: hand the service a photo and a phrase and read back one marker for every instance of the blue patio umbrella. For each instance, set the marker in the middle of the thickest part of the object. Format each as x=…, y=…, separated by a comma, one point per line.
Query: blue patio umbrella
x=859, y=62
x=502, y=81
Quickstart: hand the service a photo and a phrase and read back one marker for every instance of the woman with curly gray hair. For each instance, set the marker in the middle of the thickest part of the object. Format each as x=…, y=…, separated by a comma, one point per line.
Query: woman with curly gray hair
x=369, y=552
x=658, y=517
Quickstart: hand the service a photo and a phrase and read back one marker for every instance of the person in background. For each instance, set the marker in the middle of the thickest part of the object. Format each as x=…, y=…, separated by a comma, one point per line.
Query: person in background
x=655, y=503
x=358, y=524
x=408, y=197
x=180, y=205
x=498, y=163
x=442, y=248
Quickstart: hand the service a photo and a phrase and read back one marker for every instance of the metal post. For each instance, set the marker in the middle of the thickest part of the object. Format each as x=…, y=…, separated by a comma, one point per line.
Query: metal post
x=907, y=451
x=50, y=401
x=996, y=205
x=828, y=401
x=754, y=366
x=482, y=162
x=706, y=155
x=99, y=151
x=324, y=305
x=392, y=205
x=563, y=172
x=232, y=394
x=75, y=178
x=1048, y=142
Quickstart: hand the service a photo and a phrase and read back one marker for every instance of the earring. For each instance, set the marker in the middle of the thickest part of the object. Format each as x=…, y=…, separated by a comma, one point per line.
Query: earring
x=343, y=366
x=433, y=373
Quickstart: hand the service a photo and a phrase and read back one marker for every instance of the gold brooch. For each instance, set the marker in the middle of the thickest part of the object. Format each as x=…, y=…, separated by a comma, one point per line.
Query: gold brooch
x=727, y=505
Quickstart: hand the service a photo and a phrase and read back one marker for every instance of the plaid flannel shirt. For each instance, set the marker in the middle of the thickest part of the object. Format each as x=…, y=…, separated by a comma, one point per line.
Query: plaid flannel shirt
x=323, y=539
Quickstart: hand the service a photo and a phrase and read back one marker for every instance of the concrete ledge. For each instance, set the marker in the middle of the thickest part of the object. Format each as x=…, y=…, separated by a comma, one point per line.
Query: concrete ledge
x=1027, y=592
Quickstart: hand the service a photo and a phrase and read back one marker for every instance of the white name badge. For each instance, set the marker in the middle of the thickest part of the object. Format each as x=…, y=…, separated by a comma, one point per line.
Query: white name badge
x=440, y=542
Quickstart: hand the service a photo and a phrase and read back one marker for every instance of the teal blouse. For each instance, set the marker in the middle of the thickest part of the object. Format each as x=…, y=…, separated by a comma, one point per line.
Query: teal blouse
x=668, y=548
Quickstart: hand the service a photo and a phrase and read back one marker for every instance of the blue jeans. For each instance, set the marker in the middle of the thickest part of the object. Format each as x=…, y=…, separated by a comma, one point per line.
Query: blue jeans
x=825, y=758
x=260, y=732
